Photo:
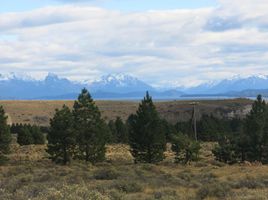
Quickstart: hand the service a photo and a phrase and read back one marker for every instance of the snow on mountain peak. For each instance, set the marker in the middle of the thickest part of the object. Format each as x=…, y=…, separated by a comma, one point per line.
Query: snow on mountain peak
x=16, y=76
x=118, y=79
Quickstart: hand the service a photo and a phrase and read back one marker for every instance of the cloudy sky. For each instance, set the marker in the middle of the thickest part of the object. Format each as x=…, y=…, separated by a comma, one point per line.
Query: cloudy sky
x=165, y=43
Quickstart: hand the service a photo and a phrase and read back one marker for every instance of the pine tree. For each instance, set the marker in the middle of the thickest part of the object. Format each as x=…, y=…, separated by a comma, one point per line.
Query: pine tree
x=38, y=136
x=121, y=131
x=25, y=136
x=251, y=144
x=185, y=148
x=146, y=138
x=225, y=151
x=255, y=131
x=61, y=137
x=113, y=132
x=91, y=129
x=5, y=136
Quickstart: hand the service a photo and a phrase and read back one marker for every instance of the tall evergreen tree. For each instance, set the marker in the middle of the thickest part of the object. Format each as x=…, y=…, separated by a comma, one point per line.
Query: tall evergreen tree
x=25, y=136
x=5, y=136
x=38, y=136
x=113, y=132
x=147, y=137
x=255, y=131
x=251, y=144
x=61, y=137
x=91, y=129
x=121, y=131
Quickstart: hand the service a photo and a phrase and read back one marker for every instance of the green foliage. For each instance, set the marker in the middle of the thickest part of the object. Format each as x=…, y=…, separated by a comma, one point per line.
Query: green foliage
x=119, y=131
x=169, y=129
x=91, y=130
x=255, y=132
x=5, y=136
x=225, y=151
x=216, y=189
x=28, y=134
x=25, y=136
x=15, y=128
x=106, y=174
x=184, y=127
x=147, y=138
x=38, y=136
x=61, y=137
x=209, y=128
x=185, y=148
x=251, y=142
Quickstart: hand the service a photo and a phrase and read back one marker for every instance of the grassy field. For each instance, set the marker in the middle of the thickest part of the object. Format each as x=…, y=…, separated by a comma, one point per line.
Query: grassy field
x=39, y=112
x=30, y=175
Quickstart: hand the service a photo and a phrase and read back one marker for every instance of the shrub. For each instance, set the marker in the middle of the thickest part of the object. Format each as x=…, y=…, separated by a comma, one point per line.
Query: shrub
x=116, y=195
x=129, y=187
x=225, y=151
x=186, y=150
x=218, y=190
x=25, y=136
x=106, y=174
x=166, y=195
x=251, y=183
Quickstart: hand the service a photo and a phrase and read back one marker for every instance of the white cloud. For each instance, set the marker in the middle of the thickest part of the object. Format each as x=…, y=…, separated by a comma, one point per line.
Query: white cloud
x=184, y=47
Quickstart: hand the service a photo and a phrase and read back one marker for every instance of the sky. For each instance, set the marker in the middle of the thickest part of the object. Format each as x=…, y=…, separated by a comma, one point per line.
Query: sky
x=169, y=43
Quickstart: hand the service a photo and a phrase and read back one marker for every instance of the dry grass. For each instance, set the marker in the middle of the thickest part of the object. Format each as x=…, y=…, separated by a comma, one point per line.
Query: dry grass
x=31, y=176
x=39, y=112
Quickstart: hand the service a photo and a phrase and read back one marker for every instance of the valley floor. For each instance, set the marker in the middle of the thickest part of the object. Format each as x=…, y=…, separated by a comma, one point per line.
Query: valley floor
x=30, y=175
x=40, y=112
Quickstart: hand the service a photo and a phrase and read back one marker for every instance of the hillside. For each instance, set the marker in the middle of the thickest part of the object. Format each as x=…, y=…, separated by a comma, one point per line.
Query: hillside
x=39, y=112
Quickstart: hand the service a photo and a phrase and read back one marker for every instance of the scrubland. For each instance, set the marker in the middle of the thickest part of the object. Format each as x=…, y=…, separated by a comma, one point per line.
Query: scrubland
x=30, y=175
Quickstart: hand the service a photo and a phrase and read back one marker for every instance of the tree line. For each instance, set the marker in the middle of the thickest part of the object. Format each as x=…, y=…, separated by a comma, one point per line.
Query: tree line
x=81, y=133
x=250, y=143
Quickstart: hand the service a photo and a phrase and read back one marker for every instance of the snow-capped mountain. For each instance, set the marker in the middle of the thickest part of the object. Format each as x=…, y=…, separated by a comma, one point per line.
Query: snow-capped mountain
x=119, y=83
x=116, y=86
x=235, y=84
x=13, y=86
x=16, y=87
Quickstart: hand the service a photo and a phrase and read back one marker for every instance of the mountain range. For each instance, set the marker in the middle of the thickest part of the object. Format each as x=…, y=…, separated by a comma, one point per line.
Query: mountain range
x=122, y=86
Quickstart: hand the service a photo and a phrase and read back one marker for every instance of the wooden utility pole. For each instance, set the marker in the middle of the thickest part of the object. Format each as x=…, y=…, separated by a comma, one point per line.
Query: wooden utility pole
x=194, y=118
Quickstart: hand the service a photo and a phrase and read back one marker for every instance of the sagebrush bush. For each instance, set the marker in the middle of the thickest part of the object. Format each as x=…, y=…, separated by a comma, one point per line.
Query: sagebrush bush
x=71, y=192
x=129, y=187
x=216, y=189
x=251, y=183
x=106, y=174
x=166, y=194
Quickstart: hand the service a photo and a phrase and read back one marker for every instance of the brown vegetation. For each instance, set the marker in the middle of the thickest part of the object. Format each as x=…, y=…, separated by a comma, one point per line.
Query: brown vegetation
x=39, y=112
x=29, y=175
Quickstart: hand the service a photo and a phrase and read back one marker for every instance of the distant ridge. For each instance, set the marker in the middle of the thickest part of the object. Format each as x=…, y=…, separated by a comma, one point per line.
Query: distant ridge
x=122, y=86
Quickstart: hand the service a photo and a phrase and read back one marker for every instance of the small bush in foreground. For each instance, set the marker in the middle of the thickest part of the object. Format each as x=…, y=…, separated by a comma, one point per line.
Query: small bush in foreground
x=129, y=187
x=218, y=190
x=186, y=150
x=106, y=174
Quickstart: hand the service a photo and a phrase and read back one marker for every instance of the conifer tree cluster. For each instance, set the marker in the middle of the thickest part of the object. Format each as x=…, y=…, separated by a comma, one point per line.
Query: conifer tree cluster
x=5, y=136
x=251, y=143
x=79, y=134
x=82, y=133
x=119, y=131
x=28, y=134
